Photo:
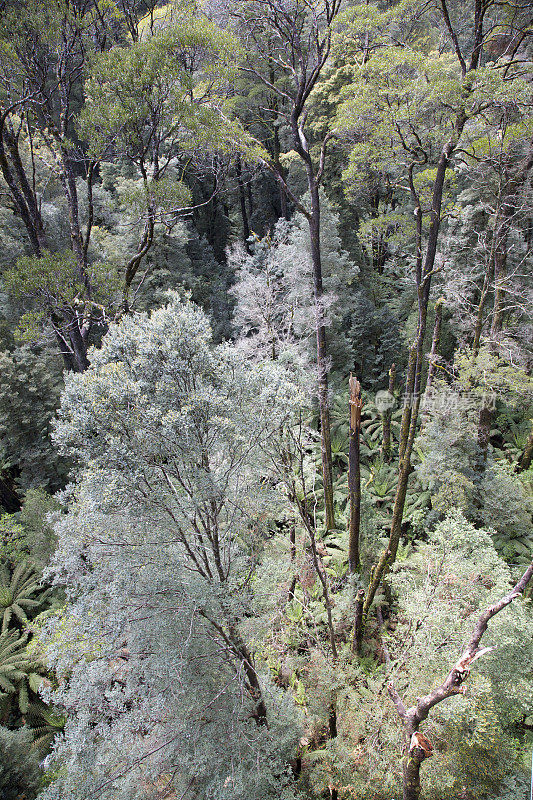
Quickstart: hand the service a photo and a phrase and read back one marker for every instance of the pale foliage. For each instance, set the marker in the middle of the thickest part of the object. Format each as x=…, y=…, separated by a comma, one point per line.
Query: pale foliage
x=162, y=534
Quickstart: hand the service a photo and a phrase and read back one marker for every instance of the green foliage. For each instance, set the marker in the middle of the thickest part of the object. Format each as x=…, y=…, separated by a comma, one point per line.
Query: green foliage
x=20, y=775
x=20, y=672
x=452, y=467
x=508, y=510
x=29, y=534
x=182, y=564
x=166, y=82
x=45, y=724
x=20, y=595
x=440, y=589
x=54, y=283
x=29, y=395
x=490, y=371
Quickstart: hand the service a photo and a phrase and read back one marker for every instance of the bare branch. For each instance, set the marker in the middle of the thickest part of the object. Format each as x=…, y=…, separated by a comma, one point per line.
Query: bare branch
x=397, y=700
x=452, y=684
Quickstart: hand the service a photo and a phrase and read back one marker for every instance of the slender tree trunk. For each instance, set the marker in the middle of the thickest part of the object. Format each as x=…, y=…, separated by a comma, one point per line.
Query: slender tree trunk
x=357, y=640
x=69, y=334
x=478, y=327
x=414, y=372
x=29, y=213
x=276, y=148
x=250, y=199
x=68, y=180
x=236, y=644
x=435, y=343
x=506, y=212
x=242, y=202
x=292, y=539
x=483, y=431
x=386, y=420
x=27, y=190
x=321, y=349
x=252, y=679
x=318, y=567
x=499, y=268
x=354, y=475
x=279, y=167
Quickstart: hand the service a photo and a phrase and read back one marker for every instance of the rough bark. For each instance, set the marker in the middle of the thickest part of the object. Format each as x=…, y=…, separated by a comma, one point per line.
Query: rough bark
x=411, y=775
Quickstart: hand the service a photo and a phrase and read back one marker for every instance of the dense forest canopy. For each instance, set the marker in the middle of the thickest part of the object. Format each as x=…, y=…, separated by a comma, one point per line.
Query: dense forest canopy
x=266, y=406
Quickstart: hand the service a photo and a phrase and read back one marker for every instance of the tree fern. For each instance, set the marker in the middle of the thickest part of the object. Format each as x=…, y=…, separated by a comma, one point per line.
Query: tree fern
x=19, y=670
x=45, y=722
x=14, y=661
x=20, y=594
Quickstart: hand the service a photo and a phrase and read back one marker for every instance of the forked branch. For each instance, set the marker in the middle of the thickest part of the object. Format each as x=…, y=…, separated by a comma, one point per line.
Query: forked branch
x=418, y=748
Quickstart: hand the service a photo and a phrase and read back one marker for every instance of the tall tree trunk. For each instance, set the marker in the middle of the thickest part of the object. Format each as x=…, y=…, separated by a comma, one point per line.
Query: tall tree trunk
x=354, y=475
x=28, y=191
x=242, y=202
x=416, y=357
x=29, y=211
x=292, y=540
x=499, y=270
x=322, y=363
x=249, y=197
x=78, y=343
x=478, y=327
x=68, y=181
x=357, y=639
x=435, y=343
x=386, y=419
x=69, y=361
x=280, y=169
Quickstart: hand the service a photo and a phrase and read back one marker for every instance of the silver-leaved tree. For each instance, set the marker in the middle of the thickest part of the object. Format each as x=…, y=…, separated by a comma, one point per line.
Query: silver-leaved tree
x=165, y=524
